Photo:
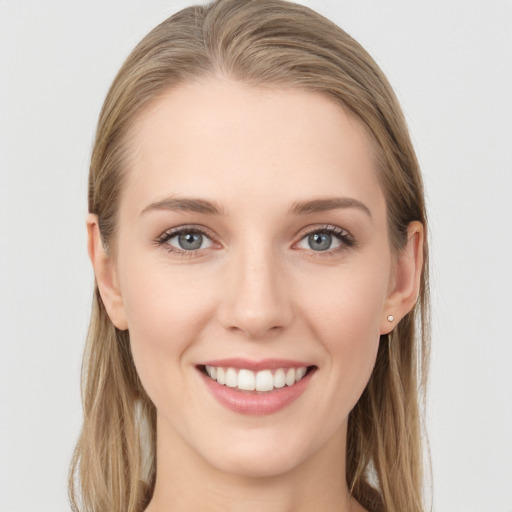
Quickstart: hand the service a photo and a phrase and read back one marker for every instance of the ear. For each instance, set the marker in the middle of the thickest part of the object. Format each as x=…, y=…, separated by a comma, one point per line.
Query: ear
x=106, y=275
x=405, y=280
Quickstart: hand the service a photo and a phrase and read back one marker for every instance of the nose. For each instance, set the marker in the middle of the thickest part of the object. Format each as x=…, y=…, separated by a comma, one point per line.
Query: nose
x=256, y=299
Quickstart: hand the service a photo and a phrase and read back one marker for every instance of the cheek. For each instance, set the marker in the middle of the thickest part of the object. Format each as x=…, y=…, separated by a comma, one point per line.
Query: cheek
x=348, y=304
x=345, y=316
x=162, y=302
x=165, y=311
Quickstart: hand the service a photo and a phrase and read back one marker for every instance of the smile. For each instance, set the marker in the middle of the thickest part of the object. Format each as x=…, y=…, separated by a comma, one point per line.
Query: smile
x=256, y=388
x=261, y=381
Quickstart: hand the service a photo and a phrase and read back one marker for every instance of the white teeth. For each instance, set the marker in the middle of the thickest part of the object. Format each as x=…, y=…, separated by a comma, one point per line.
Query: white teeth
x=246, y=380
x=264, y=380
x=290, y=377
x=231, y=378
x=299, y=373
x=279, y=378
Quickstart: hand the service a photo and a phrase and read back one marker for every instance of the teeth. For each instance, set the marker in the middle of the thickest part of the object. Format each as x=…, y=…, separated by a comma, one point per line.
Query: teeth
x=221, y=376
x=299, y=373
x=279, y=378
x=290, y=377
x=231, y=378
x=246, y=380
x=264, y=380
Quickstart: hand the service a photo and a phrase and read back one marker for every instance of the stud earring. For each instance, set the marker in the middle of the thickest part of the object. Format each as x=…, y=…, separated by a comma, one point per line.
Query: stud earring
x=391, y=318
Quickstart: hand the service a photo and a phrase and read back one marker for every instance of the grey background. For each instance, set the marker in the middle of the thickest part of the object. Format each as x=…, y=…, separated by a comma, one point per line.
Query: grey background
x=451, y=65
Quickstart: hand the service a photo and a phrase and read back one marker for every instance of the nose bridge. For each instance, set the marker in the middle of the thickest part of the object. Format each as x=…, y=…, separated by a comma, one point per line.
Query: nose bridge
x=257, y=300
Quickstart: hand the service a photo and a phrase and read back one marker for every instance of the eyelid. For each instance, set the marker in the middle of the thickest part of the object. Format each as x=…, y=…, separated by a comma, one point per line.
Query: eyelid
x=345, y=237
x=331, y=228
x=162, y=239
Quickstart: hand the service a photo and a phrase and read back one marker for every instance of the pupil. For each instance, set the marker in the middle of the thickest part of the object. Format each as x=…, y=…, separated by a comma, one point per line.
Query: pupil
x=190, y=241
x=320, y=241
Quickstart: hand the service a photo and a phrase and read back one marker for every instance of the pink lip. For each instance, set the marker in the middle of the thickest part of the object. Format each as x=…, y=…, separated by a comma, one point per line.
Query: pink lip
x=263, y=364
x=254, y=403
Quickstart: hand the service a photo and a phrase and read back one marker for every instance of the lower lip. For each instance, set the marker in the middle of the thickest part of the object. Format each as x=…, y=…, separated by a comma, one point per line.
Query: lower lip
x=247, y=402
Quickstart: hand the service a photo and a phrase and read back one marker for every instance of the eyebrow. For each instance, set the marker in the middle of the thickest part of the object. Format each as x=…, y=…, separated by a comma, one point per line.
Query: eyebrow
x=329, y=203
x=297, y=208
x=185, y=204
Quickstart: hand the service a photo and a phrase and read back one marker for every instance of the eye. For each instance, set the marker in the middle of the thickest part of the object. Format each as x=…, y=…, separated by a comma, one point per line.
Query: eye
x=187, y=240
x=327, y=238
x=319, y=241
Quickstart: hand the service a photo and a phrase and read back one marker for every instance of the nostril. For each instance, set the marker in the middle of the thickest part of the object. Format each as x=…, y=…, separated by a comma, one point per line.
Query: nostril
x=255, y=305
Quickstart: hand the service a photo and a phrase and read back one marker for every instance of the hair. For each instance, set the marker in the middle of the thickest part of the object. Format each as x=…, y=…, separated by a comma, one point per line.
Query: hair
x=261, y=43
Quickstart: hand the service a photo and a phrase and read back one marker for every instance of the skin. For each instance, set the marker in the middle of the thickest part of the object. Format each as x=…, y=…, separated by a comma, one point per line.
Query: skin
x=256, y=289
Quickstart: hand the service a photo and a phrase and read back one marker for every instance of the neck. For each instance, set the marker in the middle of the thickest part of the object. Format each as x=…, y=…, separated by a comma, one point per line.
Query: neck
x=185, y=481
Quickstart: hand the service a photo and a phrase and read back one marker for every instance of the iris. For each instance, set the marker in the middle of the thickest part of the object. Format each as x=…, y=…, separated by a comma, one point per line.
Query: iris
x=320, y=241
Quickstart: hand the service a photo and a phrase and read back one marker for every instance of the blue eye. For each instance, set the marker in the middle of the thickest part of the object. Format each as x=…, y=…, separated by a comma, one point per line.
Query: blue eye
x=320, y=241
x=327, y=238
x=186, y=240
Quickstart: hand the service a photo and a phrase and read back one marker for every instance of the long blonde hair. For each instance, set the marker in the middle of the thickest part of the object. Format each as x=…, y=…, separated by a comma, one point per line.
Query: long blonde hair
x=256, y=42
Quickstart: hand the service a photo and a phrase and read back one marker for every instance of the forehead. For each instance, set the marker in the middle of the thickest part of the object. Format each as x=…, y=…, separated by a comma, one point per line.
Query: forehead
x=238, y=142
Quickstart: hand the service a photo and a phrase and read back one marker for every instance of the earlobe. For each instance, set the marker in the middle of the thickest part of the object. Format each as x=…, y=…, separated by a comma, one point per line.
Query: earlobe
x=406, y=279
x=105, y=273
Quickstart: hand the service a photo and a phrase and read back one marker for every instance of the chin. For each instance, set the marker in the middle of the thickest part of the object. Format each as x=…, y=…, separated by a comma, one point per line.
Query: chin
x=264, y=456
x=258, y=465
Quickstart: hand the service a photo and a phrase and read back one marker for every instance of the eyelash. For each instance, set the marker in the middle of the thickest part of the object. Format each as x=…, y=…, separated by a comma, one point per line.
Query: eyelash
x=346, y=239
x=167, y=235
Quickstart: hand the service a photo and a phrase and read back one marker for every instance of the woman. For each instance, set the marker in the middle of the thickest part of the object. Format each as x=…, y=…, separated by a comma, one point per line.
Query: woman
x=258, y=234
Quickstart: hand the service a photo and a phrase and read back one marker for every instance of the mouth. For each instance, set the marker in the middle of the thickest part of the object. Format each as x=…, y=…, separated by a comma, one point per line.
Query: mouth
x=263, y=381
x=251, y=387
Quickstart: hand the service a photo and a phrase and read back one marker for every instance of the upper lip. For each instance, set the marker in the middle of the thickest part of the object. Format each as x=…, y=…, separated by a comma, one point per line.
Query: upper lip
x=262, y=364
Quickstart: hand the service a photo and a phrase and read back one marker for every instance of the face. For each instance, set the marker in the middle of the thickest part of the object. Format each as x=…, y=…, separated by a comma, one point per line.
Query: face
x=252, y=245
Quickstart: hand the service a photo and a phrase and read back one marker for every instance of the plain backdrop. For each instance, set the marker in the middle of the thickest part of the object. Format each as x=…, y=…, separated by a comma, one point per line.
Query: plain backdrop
x=450, y=63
